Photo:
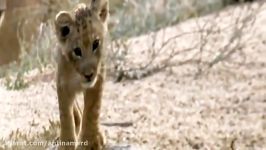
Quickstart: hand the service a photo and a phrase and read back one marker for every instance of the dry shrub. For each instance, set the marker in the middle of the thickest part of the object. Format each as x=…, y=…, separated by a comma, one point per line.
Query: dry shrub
x=216, y=39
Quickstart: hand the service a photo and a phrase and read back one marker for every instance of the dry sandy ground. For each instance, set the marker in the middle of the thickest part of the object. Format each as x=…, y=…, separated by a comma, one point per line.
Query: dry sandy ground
x=224, y=109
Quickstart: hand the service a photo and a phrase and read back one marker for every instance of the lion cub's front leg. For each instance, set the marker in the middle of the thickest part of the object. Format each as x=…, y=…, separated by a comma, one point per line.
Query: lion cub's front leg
x=67, y=134
x=90, y=131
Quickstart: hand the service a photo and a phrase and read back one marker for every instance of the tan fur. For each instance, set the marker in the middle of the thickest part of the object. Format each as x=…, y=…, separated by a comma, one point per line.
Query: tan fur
x=81, y=69
x=11, y=15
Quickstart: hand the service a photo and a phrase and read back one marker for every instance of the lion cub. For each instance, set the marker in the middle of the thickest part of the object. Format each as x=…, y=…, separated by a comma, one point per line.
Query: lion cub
x=81, y=36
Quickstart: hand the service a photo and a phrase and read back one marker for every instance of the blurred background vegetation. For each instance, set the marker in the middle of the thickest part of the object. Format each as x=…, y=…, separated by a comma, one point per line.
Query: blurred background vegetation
x=29, y=25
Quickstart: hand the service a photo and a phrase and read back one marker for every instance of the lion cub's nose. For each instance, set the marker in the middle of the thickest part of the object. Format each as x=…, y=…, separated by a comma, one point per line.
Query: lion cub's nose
x=89, y=77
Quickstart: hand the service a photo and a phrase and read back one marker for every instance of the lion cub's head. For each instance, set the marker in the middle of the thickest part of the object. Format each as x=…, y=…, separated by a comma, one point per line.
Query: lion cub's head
x=81, y=35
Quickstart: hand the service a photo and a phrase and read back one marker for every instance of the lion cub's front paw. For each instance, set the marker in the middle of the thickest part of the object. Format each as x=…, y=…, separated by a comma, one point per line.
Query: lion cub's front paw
x=96, y=143
x=92, y=143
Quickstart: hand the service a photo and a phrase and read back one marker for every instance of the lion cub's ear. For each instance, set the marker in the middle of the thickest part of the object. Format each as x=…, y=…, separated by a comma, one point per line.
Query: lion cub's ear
x=101, y=8
x=63, y=25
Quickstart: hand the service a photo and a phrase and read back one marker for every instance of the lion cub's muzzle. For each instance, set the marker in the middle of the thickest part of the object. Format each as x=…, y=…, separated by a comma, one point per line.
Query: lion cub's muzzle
x=89, y=79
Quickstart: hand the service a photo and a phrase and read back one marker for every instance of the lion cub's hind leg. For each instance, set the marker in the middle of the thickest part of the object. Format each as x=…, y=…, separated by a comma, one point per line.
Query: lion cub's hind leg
x=77, y=117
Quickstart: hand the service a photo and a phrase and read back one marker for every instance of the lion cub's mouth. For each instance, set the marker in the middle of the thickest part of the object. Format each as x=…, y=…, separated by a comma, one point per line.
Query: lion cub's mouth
x=89, y=84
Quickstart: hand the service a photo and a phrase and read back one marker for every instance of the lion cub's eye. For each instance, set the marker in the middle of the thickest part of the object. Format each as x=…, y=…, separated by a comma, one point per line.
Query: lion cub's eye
x=77, y=52
x=95, y=45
